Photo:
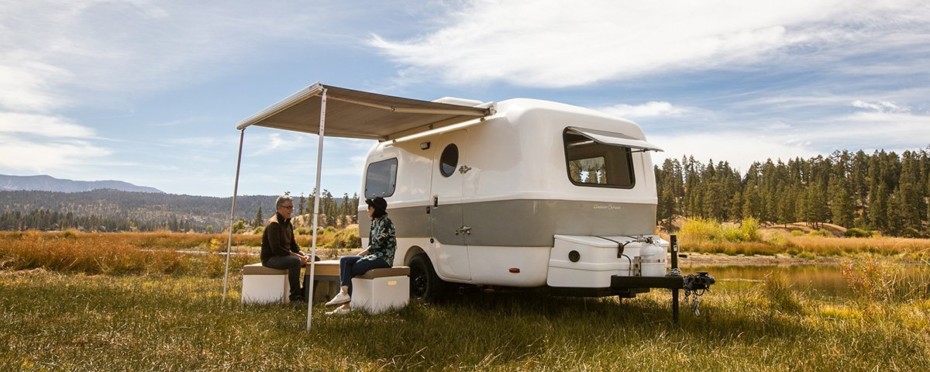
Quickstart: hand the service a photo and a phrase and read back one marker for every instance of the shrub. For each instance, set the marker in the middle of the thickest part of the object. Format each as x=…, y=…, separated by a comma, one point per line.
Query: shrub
x=699, y=230
x=856, y=232
x=807, y=255
x=821, y=232
x=797, y=233
x=778, y=240
x=239, y=226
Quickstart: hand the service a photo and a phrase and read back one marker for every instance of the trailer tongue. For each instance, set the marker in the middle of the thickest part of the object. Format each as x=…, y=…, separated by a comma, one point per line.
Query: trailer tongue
x=694, y=285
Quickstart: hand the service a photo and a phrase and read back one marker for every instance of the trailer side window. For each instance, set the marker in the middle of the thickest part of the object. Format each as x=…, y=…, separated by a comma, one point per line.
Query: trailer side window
x=449, y=160
x=591, y=163
x=381, y=178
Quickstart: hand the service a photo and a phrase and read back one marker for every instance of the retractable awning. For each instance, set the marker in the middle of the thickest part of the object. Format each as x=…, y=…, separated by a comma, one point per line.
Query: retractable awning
x=614, y=139
x=356, y=114
x=329, y=111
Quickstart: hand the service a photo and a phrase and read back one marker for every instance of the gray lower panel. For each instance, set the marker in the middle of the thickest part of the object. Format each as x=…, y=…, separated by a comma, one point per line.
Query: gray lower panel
x=524, y=223
x=409, y=222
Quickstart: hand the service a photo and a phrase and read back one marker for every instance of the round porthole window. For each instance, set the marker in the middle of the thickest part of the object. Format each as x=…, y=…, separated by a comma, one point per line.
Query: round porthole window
x=449, y=160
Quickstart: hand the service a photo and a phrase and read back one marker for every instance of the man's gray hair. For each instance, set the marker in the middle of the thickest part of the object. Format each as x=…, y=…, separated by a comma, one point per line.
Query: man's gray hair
x=281, y=200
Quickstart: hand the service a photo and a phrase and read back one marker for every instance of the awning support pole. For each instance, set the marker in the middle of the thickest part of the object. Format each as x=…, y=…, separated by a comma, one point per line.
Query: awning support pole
x=232, y=214
x=316, y=207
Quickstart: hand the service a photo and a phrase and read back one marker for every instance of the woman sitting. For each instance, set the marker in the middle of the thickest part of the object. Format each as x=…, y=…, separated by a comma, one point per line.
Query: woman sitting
x=382, y=243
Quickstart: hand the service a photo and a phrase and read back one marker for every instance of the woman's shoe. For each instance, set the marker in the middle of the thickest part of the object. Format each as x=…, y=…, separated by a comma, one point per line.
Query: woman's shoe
x=340, y=299
x=341, y=310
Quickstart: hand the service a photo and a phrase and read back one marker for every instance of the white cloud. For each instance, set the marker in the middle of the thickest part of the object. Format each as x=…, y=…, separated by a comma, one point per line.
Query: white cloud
x=42, y=125
x=272, y=142
x=646, y=110
x=42, y=144
x=27, y=85
x=559, y=43
x=880, y=106
x=43, y=157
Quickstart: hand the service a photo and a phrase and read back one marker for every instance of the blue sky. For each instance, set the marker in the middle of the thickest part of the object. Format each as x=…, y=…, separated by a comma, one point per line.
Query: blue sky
x=149, y=92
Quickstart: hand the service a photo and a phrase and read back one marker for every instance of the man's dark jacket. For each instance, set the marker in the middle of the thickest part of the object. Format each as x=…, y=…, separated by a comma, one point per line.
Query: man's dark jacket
x=278, y=238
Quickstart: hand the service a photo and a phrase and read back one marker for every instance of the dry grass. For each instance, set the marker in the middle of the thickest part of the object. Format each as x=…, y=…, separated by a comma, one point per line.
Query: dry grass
x=707, y=236
x=139, y=253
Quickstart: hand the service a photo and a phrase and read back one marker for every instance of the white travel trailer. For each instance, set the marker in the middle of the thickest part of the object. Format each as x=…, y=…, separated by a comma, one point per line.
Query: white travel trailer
x=519, y=193
x=536, y=194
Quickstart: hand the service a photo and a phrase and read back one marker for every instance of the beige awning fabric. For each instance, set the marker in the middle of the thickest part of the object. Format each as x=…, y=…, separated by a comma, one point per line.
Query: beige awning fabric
x=356, y=114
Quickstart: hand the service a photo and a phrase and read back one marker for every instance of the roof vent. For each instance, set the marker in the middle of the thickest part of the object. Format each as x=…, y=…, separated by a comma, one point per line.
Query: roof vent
x=458, y=101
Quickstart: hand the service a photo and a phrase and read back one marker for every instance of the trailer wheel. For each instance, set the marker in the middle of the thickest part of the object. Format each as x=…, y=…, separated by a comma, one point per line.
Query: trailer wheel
x=424, y=283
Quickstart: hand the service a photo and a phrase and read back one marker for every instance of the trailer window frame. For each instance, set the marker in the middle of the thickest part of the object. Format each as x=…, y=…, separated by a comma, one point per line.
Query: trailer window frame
x=446, y=163
x=384, y=173
x=618, y=174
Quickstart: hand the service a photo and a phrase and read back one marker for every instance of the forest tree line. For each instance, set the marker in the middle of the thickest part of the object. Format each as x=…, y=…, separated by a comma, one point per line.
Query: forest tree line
x=882, y=191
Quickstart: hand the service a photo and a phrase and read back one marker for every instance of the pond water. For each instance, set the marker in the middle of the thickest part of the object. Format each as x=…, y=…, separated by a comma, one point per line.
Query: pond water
x=817, y=280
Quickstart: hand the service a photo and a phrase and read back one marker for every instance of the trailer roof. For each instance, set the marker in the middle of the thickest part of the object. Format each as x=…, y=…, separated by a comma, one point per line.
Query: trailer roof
x=356, y=114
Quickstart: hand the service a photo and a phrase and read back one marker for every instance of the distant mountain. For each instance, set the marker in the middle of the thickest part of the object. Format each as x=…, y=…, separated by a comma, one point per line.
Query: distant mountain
x=49, y=183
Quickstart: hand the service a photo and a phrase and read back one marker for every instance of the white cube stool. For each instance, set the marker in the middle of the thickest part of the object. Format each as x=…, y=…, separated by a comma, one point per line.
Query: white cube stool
x=262, y=285
x=380, y=290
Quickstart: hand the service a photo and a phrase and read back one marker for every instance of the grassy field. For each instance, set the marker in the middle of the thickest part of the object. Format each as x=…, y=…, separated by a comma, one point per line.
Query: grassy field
x=64, y=318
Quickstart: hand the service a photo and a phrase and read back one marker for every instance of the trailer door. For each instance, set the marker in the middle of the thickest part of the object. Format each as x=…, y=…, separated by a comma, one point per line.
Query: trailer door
x=446, y=216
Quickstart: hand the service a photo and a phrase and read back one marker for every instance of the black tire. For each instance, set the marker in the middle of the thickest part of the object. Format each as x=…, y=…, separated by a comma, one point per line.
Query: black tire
x=424, y=283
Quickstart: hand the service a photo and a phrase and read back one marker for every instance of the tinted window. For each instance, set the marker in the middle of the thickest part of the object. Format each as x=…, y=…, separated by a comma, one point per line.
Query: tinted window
x=449, y=160
x=381, y=178
x=592, y=163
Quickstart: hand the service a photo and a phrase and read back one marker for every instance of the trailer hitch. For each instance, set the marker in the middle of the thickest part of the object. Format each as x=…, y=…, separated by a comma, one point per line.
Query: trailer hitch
x=695, y=286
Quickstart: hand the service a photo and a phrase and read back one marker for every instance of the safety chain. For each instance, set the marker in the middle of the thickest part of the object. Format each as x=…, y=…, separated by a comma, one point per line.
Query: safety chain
x=695, y=286
x=695, y=302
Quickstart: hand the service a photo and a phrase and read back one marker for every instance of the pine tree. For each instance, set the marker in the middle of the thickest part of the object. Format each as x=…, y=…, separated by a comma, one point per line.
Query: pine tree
x=259, y=220
x=355, y=202
x=329, y=208
x=668, y=180
x=908, y=195
x=346, y=210
x=301, y=205
x=841, y=204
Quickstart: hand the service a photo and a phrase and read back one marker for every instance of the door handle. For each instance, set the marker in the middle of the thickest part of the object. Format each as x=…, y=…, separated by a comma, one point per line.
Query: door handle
x=464, y=169
x=463, y=230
